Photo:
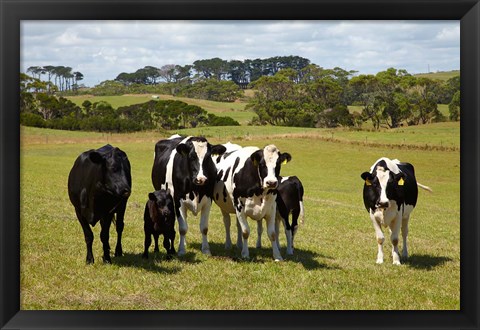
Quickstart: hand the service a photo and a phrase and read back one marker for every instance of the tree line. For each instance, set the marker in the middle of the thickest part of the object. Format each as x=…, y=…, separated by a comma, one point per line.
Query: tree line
x=321, y=97
x=64, y=78
x=39, y=108
x=239, y=72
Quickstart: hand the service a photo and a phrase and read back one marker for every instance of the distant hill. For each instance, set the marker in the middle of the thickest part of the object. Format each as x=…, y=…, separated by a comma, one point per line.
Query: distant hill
x=442, y=75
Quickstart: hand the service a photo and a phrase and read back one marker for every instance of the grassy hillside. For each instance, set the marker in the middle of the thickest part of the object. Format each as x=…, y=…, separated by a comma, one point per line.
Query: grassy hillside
x=334, y=263
x=439, y=75
x=236, y=110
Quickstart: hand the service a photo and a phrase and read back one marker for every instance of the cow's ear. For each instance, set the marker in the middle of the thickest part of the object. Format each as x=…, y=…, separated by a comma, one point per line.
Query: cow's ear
x=218, y=150
x=151, y=196
x=96, y=158
x=285, y=158
x=368, y=177
x=256, y=157
x=400, y=178
x=182, y=149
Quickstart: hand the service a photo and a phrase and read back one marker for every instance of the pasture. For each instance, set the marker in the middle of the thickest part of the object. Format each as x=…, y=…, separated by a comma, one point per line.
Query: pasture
x=236, y=110
x=333, y=267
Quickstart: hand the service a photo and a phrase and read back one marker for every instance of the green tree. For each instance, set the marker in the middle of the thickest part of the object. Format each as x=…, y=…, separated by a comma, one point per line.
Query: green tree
x=454, y=107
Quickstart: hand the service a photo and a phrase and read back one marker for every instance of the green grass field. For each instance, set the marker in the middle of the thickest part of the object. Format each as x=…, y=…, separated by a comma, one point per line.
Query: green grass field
x=236, y=110
x=445, y=75
x=334, y=263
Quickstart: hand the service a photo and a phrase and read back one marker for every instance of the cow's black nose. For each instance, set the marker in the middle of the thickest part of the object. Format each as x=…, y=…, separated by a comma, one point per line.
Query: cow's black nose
x=383, y=205
x=272, y=184
x=199, y=181
x=126, y=193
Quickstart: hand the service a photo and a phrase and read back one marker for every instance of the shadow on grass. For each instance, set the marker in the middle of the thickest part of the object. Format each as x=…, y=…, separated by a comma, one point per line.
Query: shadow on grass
x=154, y=263
x=425, y=262
x=307, y=258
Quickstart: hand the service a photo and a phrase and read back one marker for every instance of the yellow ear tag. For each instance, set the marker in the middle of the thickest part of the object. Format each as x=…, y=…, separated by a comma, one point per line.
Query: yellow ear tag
x=367, y=182
x=401, y=182
x=284, y=162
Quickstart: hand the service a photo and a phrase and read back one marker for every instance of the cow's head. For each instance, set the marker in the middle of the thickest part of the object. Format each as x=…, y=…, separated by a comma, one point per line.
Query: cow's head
x=116, y=171
x=381, y=188
x=160, y=208
x=269, y=162
x=197, y=151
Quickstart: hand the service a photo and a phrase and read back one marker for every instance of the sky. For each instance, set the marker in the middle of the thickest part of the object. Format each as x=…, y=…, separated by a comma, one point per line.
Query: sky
x=101, y=50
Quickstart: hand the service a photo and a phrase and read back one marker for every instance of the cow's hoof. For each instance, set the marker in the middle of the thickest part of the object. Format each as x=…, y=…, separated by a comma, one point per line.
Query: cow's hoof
x=181, y=253
x=397, y=263
x=169, y=257
x=90, y=261
x=379, y=261
x=118, y=253
x=207, y=252
x=228, y=246
x=145, y=256
x=278, y=259
x=107, y=260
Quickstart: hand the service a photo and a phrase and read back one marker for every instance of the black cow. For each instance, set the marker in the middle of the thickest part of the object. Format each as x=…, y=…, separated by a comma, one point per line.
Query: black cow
x=159, y=219
x=289, y=201
x=185, y=166
x=247, y=182
x=99, y=185
x=390, y=194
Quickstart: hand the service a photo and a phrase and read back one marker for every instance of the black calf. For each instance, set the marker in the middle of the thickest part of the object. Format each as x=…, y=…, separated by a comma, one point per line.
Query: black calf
x=159, y=219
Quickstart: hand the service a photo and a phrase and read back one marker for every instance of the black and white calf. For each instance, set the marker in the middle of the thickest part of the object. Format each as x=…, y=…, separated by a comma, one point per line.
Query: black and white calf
x=159, y=219
x=99, y=185
x=289, y=201
x=185, y=166
x=390, y=194
x=247, y=181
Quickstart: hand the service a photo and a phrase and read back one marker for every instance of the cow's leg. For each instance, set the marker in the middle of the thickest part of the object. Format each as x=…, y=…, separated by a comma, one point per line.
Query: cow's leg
x=168, y=245
x=380, y=238
x=259, y=234
x=88, y=234
x=205, y=213
x=288, y=235
x=294, y=226
x=404, y=236
x=119, y=224
x=272, y=235
x=239, y=235
x=105, y=236
x=148, y=242
x=245, y=230
x=155, y=238
x=227, y=222
x=395, y=228
x=182, y=228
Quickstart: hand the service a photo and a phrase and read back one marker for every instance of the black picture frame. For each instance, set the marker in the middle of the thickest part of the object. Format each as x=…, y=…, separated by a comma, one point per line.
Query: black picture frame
x=14, y=11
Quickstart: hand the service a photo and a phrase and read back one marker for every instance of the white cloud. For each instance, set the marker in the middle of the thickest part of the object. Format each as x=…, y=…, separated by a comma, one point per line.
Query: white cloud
x=103, y=49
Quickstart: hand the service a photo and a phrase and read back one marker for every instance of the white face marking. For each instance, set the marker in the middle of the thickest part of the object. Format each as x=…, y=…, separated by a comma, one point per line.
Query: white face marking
x=383, y=176
x=201, y=151
x=270, y=154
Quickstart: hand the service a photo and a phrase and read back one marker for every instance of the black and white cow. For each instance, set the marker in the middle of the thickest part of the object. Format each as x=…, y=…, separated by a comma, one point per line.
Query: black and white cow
x=185, y=166
x=390, y=194
x=247, y=181
x=99, y=185
x=289, y=201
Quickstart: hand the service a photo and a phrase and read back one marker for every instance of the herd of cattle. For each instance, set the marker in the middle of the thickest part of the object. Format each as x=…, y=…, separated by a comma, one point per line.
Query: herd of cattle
x=189, y=173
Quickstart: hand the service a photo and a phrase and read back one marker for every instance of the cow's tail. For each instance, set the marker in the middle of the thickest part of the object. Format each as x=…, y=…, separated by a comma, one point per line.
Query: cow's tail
x=302, y=213
x=424, y=187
